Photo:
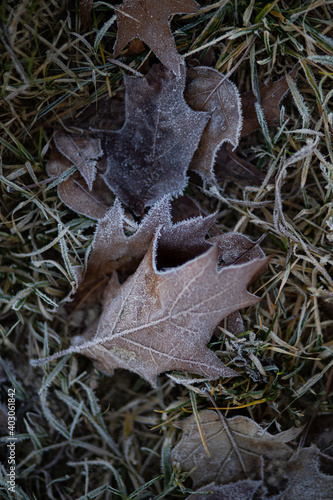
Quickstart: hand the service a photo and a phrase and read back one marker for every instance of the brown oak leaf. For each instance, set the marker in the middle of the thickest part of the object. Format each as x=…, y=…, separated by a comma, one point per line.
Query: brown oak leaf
x=228, y=165
x=271, y=94
x=162, y=318
x=298, y=477
x=208, y=90
x=229, y=460
x=83, y=152
x=149, y=156
x=148, y=21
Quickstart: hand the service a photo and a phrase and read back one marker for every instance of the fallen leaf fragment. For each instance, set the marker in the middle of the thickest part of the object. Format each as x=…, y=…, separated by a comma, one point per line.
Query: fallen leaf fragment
x=84, y=190
x=271, y=94
x=224, y=465
x=241, y=490
x=236, y=248
x=230, y=166
x=148, y=21
x=161, y=320
x=301, y=478
x=82, y=151
x=185, y=207
x=148, y=158
x=208, y=90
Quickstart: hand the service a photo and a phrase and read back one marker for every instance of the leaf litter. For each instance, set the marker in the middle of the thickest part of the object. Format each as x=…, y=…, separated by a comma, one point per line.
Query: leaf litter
x=42, y=242
x=152, y=138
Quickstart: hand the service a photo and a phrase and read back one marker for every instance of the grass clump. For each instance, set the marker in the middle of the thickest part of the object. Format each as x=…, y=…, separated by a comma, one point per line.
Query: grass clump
x=80, y=433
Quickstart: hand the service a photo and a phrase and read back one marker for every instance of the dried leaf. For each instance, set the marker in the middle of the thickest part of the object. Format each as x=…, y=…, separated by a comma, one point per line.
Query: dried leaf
x=149, y=21
x=162, y=317
x=223, y=465
x=81, y=151
x=236, y=248
x=271, y=94
x=76, y=190
x=241, y=490
x=233, y=323
x=208, y=90
x=149, y=156
x=185, y=207
x=112, y=250
x=300, y=477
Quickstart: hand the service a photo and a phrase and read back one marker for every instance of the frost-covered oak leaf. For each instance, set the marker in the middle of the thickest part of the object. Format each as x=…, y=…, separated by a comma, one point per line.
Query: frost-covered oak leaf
x=113, y=250
x=208, y=90
x=161, y=319
x=148, y=20
x=228, y=458
x=149, y=156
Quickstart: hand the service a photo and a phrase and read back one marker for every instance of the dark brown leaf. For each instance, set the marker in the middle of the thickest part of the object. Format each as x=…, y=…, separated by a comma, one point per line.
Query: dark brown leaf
x=236, y=248
x=305, y=478
x=82, y=151
x=149, y=156
x=185, y=207
x=271, y=94
x=230, y=166
x=148, y=21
